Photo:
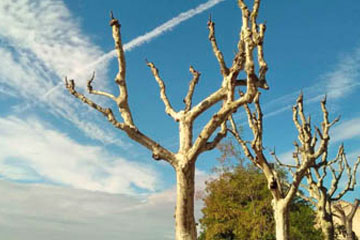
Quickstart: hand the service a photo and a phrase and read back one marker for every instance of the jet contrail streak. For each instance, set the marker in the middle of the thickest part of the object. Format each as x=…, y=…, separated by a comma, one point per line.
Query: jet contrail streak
x=147, y=37
x=167, y=26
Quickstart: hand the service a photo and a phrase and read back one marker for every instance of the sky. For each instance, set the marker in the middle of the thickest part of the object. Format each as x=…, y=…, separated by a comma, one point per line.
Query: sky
x=65, y=172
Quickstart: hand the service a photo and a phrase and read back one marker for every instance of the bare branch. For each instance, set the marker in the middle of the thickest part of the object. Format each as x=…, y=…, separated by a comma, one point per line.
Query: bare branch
x=306, y=198
x=96, y=92
x=336, y=178
x=234, y=131
x=347, y=218
x=258, y=83
x=322, y=177
x=253, y=17
x=194, y=81
x=326, y=125
x=260, y=46
x=208, y=102
x=159, y=152
x=168, y=108
x=219, y=136
x=280, y=163
x=70, y=85
x=351, y=178
x=296, y=154
x=122, y=99
x=218, y=54
x=354, y=208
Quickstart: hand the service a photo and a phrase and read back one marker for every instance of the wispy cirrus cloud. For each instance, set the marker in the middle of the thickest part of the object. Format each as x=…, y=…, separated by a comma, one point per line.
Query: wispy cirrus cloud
x=346, y=130
x=345, y=77
x=336, y=84
x=41, y=42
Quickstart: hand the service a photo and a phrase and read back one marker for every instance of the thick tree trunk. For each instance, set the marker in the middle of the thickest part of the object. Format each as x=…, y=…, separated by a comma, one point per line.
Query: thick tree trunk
x=281, y=215
x=327, y=226
x=184, y=214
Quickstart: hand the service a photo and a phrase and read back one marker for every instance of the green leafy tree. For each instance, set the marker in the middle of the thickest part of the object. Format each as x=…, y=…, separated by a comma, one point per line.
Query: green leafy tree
x=238, y=206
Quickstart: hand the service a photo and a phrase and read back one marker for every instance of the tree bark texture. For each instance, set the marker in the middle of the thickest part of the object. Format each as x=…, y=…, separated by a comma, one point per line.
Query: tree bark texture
x=349, y=230
x=281, y=215
x=347, y=218
x=184, y=213
x=326, y=225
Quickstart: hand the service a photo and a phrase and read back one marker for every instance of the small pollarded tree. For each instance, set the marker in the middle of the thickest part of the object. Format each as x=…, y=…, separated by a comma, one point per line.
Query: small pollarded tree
x=251, y=37
x=347, y=218
x=308, y=150
x=324, y=197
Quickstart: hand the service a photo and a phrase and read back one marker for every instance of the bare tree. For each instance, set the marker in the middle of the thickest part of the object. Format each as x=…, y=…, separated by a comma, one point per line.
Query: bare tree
x=323, y=197
x=307, y=151
x=183, y=161
x=347, y=219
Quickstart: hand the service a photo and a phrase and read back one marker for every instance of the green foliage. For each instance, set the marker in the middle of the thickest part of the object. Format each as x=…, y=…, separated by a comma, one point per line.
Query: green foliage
x=238, y=206
x=302, y=221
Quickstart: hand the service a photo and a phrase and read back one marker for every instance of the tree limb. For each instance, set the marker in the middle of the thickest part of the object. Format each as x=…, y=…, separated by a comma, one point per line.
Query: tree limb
x=189, y=95
x=122, y=99
x=168, y=108
x=218, y=54
x=96, y=92
x=159, y=152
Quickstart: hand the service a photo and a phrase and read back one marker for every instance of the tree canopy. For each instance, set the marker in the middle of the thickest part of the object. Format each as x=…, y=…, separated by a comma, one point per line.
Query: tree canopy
x=238, y=206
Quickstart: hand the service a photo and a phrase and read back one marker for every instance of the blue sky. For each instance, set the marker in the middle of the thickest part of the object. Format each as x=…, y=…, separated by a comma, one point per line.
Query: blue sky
x=56, y=152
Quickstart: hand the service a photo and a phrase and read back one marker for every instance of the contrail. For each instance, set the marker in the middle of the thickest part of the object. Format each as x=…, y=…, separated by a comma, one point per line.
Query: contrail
x=147, y=37
x=156, y=32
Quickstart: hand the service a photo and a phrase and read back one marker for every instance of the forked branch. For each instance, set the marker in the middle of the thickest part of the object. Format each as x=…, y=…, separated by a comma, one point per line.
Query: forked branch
x=97, y=92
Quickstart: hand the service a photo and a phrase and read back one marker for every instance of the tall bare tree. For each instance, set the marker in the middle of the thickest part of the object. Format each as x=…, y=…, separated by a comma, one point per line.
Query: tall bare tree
x=251, y=37
x=323, y=197
x=307, y=151
x=347, y=218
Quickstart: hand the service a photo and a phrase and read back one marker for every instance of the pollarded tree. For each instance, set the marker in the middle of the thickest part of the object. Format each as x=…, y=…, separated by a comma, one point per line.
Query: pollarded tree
x=306, y=155
x=324, y=197
x=347, y=218
x=251, y=37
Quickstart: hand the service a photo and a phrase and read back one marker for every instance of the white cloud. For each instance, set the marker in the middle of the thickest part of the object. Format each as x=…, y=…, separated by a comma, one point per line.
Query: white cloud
x=336, y=84
x=346, y=130
x=41, y=43
x=341, y=81
x=47, y=212
x=31, y=211
x=49, y=32
x=31, y=150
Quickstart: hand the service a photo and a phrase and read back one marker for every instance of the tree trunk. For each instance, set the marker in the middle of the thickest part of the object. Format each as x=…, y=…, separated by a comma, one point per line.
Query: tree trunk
x=327, y=226
x=281, y=215
x=349, y=231
x=185, y=227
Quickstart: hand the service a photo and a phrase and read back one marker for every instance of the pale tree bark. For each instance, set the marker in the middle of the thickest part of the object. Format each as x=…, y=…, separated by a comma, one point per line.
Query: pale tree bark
x=347, y=219
x=251, y=37
x=322, y=196
x=307, y=152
